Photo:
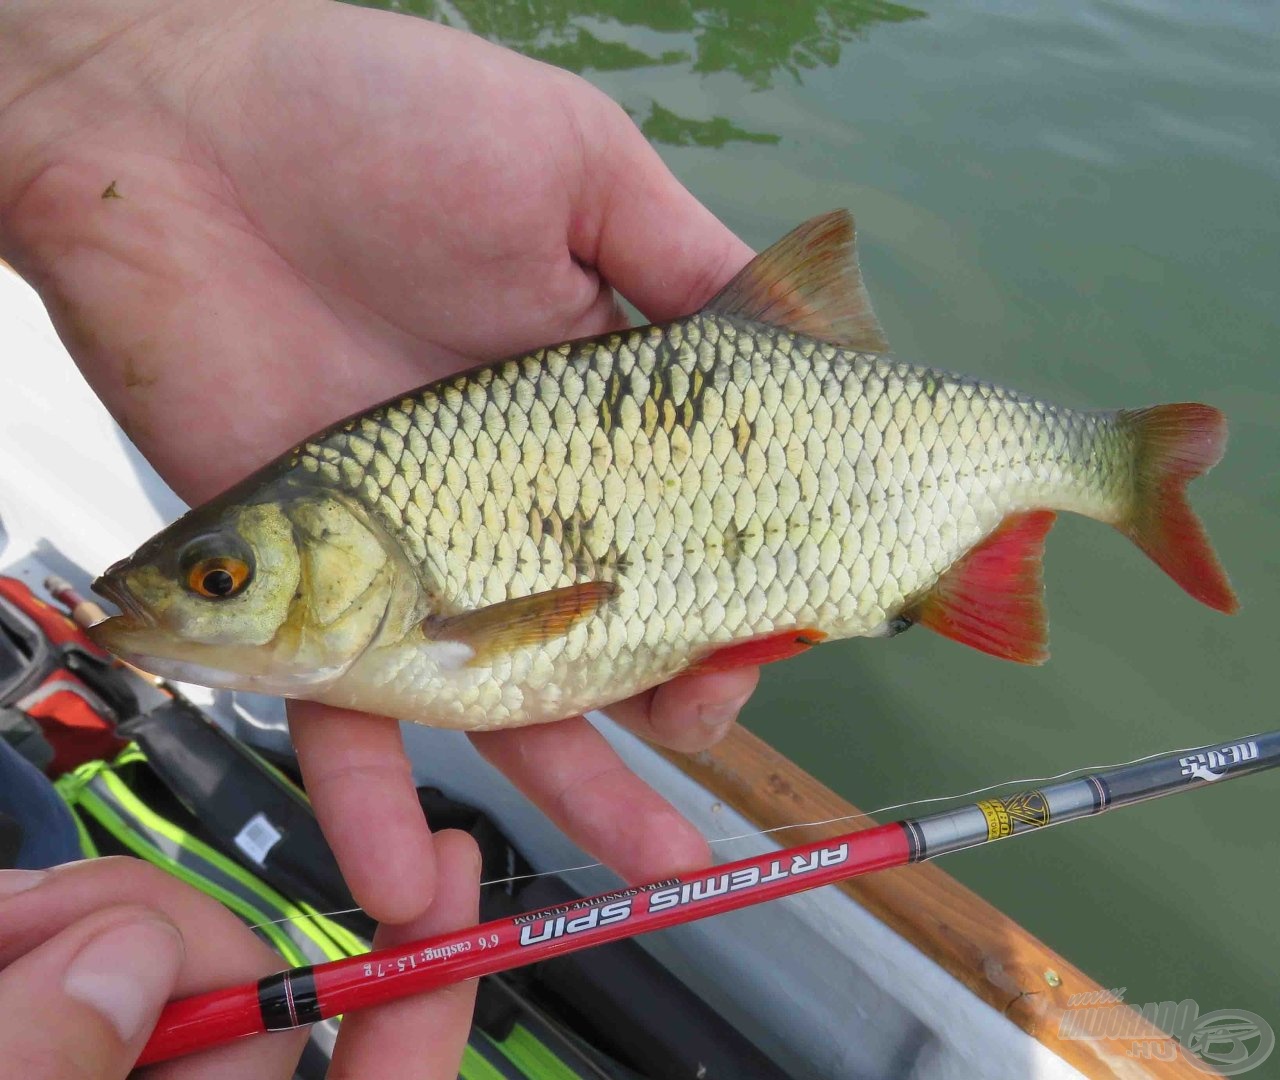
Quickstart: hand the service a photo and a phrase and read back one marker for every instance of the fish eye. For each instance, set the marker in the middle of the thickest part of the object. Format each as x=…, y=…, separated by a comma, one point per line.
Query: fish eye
x=216, y=567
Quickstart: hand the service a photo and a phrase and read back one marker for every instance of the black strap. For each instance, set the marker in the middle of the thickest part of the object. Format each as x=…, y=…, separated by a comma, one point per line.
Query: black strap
x=10, y=841
x=25, y=736
x=249, y=811
x=102, y=676
x=26, y=656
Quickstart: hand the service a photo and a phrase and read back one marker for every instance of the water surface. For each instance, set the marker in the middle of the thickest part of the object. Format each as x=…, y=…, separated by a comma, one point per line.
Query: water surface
x=1079, y=200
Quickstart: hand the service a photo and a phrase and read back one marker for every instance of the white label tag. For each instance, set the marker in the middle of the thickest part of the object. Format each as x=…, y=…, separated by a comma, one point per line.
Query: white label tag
x=257, y=838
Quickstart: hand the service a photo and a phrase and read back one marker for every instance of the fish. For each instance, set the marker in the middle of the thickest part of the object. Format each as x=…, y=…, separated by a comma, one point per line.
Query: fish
x=545, y=535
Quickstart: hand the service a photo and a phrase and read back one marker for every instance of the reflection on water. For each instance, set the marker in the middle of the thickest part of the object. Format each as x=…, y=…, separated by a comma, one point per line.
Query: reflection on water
x=755, y=40
x=664, y=126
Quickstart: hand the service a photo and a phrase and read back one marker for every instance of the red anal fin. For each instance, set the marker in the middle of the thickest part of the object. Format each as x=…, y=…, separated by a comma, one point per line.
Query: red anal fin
x=761, y=650
x=993, y=598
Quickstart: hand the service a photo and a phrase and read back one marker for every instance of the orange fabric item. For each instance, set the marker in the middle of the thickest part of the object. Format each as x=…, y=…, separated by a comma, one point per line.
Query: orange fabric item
x=74, y=719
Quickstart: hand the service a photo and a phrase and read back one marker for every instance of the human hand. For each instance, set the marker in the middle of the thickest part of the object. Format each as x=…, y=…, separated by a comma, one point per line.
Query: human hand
x=91, y=951
x=251, y=219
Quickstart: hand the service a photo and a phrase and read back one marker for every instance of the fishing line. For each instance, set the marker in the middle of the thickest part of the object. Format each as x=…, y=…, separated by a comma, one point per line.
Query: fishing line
x=1025, y=781
x=1021, y=782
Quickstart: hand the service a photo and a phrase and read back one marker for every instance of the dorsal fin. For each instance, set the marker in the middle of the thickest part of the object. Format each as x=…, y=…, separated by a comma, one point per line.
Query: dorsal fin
x=808, y=283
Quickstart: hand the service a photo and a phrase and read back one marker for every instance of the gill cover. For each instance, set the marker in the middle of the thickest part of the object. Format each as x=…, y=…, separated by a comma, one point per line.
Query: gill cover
x=277, y=594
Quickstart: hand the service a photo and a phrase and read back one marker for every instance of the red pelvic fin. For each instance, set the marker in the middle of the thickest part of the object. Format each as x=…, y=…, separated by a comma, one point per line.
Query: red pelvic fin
x=761, y=650
x=993, y=598
x=1177, y=443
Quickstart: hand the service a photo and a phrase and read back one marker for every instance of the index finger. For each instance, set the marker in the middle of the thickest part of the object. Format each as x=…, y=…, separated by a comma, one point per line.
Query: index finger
x=360, y=783
x=572, y=774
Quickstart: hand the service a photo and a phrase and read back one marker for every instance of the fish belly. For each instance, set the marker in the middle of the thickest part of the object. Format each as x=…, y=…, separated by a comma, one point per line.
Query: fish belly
x=732, y=479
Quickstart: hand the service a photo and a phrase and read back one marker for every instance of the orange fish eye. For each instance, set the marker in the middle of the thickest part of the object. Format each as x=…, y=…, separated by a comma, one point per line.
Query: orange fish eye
x=218, y=577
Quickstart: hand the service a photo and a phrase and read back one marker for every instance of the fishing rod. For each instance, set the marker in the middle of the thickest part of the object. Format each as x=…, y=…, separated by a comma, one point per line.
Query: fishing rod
x=306, y=995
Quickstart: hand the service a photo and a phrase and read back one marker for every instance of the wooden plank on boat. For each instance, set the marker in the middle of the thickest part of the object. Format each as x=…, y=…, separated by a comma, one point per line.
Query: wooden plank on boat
x=988, y=952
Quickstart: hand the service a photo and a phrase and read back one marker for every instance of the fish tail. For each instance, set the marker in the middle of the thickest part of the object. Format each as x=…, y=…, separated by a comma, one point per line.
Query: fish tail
x=1174, y=444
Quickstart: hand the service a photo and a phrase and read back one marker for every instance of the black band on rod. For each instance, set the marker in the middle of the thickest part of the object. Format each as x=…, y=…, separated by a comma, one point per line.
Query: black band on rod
x=288, y=999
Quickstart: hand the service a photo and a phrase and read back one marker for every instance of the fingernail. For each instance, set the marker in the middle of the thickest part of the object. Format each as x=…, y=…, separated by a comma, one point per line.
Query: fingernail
x=126, y=972
x=16, y=881
x=713, y=717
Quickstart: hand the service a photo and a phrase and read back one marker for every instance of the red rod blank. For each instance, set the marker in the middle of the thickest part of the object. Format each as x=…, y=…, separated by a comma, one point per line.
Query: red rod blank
x=306, y=995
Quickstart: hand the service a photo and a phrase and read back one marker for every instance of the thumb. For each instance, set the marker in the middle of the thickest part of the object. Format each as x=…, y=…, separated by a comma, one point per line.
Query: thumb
x=642, y=229
x=81, y=1005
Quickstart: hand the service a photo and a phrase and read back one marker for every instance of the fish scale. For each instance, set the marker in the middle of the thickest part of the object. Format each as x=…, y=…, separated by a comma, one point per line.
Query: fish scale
x=841, y=485
x=556, y=531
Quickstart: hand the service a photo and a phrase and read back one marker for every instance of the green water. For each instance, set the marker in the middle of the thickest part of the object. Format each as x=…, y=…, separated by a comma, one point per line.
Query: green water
x=1080, y=200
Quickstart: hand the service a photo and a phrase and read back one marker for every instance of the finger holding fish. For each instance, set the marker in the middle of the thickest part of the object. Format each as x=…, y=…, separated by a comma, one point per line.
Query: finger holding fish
x=360, y=783
x=690, y=712
x=424, y=1035
x=572, y=774
x=567, y=769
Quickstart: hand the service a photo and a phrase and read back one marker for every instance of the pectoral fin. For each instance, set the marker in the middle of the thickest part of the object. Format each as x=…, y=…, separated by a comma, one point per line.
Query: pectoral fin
x=519, y=623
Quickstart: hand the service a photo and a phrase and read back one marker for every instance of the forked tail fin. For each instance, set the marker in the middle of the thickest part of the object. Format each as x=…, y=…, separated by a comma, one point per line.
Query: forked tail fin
x=1174, y=445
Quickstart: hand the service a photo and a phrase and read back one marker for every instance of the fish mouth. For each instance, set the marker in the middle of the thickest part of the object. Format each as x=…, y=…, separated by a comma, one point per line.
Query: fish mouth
x=119, y=633
x=132, y=612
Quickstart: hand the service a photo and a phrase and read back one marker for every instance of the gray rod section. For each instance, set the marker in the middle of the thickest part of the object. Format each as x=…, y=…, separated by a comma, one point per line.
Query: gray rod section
x=1009, y=815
